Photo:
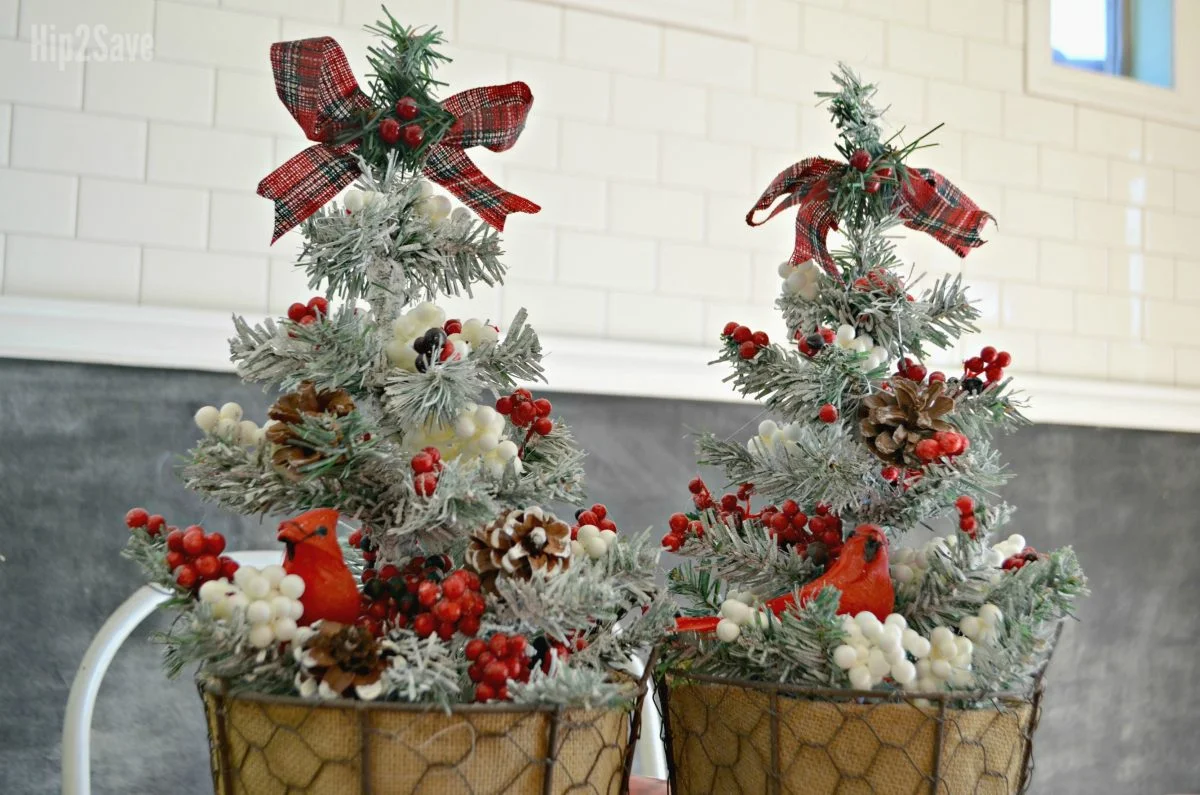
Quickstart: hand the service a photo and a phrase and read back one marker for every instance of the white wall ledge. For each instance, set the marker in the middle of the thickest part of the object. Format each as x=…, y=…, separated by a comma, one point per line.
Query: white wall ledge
x=190, y=339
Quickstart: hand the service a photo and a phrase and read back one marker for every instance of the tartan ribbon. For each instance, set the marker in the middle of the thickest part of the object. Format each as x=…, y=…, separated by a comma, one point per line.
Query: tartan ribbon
x=314, y=81
x=926, y=201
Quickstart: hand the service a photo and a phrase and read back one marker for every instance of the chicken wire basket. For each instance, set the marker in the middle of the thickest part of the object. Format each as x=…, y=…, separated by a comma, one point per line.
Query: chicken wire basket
x=734, y=736
x=263, y=745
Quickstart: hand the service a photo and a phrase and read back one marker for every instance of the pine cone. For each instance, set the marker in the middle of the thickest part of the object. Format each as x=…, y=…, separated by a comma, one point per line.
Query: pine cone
x=519, y=543
x=341, y=661
x=291, y=452
x=893, y=422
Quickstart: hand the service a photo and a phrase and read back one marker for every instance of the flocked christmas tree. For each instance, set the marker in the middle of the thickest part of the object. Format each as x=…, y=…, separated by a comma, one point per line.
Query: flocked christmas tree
x=864, y=445
x=456, y=583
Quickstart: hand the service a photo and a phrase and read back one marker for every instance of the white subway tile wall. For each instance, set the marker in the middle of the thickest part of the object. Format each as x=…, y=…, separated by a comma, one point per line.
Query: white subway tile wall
x=133, y=182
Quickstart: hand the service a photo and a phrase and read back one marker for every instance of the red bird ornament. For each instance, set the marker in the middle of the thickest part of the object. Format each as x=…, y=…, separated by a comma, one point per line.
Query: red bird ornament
x=314, y=555
x=860, y=573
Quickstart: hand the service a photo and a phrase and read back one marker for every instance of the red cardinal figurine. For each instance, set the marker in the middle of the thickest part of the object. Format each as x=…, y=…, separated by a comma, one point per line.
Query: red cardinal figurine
x=860, y=573
x=313, y=553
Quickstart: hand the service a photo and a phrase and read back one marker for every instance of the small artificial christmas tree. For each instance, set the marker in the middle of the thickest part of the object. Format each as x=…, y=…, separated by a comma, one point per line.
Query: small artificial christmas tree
x=865, y=444
x=454, y=584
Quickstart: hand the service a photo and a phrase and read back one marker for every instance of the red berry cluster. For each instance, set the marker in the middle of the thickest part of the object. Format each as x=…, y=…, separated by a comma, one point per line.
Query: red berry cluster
x=1017, y=561
x=990, y=363
x=879, y=280
x=391, y=131
x=423, y=596
x=818, y=536
x=966, y=515
x=875, y=182
x=193, y=556
x=907, y=368
x=597, y=516
x=426, y=465
x=860, y=160
x=495, y=662
x=894, y=474
x=547, y=651
x=525, y=412
x=680, y=526
x=748, y=342
x=943, y=444
x=316, y=308
x=814, y=343
x=138, y=518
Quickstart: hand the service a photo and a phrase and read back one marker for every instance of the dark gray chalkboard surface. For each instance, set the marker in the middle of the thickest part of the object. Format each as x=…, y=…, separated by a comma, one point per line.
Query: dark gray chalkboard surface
x=80, y=444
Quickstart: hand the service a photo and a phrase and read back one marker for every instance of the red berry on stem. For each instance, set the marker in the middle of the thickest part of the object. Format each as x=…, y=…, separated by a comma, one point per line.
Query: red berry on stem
x=214, y=543
x=760, y=339
x=389, y=131
x=988, y=354
x=828, y=413
x=729, y=502
x=422, y=462
x=695, y=485
x=860, y=160
x=937, y=375
x=406, y=108
x=975, y=364
x=447, y=611
x=873, y=185
x=504, y=405
x=207, y=566
x=175, y=558
x=468, y=625
x=193, y=541
x=413, y=135
x=543, y=407
x=965, y=505
x=136, y=517
x=928, y=450
x=588, y=517
x=473, y=649
x=1004, y=358
x=747, y=350
x=890, y=474
x=916, y=372
x=229, y=567
x=355, y=538
x=425, y=483
x=516, y=646
x=995, y=373
x=318, y=305
x=678, y=522
x=730, y=327
x=828, y=335
x=542, y=426
x=967, y=523
x=742, y=334
x=523, y=414
x=484, y=692
x=428, y=593
x=154, y=524
x=308, y=320
x=297, y=311
x=454, y=587
x=424, y=625
x=175, y=540
x=672, y=542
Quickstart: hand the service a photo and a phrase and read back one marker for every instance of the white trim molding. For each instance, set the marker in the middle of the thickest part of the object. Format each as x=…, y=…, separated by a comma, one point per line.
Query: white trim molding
x=192, y=339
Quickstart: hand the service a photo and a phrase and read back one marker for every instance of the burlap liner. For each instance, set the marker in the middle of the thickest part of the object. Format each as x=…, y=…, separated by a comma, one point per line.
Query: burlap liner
x=726, y=738
x=266, y=745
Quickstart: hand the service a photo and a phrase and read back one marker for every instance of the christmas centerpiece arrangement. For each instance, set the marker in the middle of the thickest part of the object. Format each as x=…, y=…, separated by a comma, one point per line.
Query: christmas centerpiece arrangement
x=816, y=653
x=431, y=625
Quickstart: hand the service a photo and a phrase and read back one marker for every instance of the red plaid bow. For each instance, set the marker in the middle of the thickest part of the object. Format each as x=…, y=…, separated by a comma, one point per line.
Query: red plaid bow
x=314, y=81
x=926, y=201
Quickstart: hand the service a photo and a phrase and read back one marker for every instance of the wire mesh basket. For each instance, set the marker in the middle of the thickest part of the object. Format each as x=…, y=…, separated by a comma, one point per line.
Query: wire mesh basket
x=262, y=745
x=732, y=736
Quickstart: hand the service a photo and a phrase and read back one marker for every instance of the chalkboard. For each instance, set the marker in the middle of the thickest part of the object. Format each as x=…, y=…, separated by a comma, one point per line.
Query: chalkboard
x=79, y=444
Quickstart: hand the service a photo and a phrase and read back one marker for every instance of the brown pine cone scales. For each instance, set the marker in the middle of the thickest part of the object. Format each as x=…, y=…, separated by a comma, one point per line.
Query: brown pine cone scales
x=291, y=452
x=519, y=543
x=342, y=661
x=892, y=423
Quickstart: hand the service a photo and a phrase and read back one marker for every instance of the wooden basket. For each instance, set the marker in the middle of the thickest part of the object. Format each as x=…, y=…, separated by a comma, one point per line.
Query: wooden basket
x=268, y=745
x=733, y=736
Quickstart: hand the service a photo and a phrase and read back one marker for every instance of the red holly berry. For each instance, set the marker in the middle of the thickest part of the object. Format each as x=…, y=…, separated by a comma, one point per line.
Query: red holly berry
x=827, y=334
x=678, y=522
x=428, y=593
x=916, y=372
x=413, y=135
x=975, y=364
x=747, y=350
x=672, y=541
x=389, y=131
x=446, y=610
x=154, y=524
x=873, y=185
x=937, y=375
x=695, y=485
x=995, y=373
x=318, y=305
x=523, y=414
x=421, y=463
x=760, y=339
x=543, y=407
x=729, y=502
x=730, y=327
x=504, y=405
x=965, y=505
x=214, y=543
x=229, y=567
x=207, y=566
x=424, y=625
x=175, y=540
x=355, y=538
x=860, y=160
x=742, y=334
x=890, y=474
x=988, y=354
x=828, y=413
x=950, y=443
x=193, y=541
x=136, y=517
x=185, y=577
x=454, y=587
x=406, y=108
x=452, y=327
x=928, y=450
x=425, y=483
x=297, y=311
x=967, y=523
x=600, y=510
x=542, y=426
x=473, y=649
x=1003, y=358
x=175, y=558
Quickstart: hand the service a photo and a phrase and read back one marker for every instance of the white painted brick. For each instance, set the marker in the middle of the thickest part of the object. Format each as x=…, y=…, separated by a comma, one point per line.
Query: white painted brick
x=790, y=75
x=609, y=152
x=998, y=66
x=976, y=19
x=1001, y=162
x=622, y=45
x=354, y=41
x=568, y=91
x=924, y=52
x=318, y=10
x=241, y=223
x=1168, y=145
x=775, y=23
x=1109, y=224
x=608, y=261
x=817, y=135
x=689, y=163
x=286, y=285
x=555, y=309
x=1007, y=257
x=903, y=94
x=1171, y=322
x=965, y=108
x=487, y=305
x=191, y=156
x=5, y=132
x=578, y=202
x=948, y=155
x=985, y=295
x=128, y=212
x=120, y=17
x=1169, y=234
x=1108, y=134
x=658, y=105
x=1063, y=355
x=1187, y=189
x=414, y=13
x=1071, y=265
x=71, y=269
x=1143, y=186
x=1066, y=172
x=753, y=120
x=515, y=25
x=1039, y=120
x=705, y=272
x=655, y=317
x=1187, y=279
x=1014, y=22
x=213, y=36
x=1114, y=316
x=40, y=82
x=538, y=147
x=1187, y=366
x=470, y=68
x=8, y=18
x=248, y=102
x=764, y=277
x=725, y=225
x=1041, y=308
x=701, y=58
x=37, y=203
x=853, y=38
x=1143, y=274
x=1039, y=215
x=171, y=277
x=902, y=10
x=667, y=213
x=153, y=89
x=77, y=143
x=1136, y=361
x=767, y=165
x=529, y=251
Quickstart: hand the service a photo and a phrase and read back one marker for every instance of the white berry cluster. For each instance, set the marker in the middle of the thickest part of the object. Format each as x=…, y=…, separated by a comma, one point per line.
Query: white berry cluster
x=802, y=280
x=355, y=200
x=413, y=324
x=477, y=433
x=739, y=610
x=436, y=208
x=876, y=650
x=1013, y=545
x=849, y=339
x=269, y=597
x=592, y=541
x=227, y=423
x=982, y=626
x=771, y=436
x=908, y=565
